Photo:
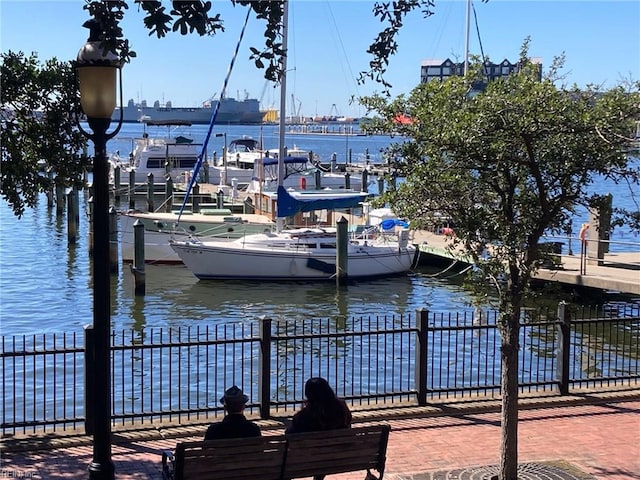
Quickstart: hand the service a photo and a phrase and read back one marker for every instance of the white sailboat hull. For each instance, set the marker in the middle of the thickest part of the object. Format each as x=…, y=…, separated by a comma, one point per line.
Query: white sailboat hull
x=160, y=228
x=264, y=257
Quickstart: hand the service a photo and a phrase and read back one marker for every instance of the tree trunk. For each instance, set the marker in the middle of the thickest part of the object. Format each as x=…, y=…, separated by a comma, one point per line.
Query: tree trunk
x=509, y=362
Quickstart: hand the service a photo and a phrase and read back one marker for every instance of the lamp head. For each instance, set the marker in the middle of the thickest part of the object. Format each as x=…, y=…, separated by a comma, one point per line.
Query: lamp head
x=96, y=69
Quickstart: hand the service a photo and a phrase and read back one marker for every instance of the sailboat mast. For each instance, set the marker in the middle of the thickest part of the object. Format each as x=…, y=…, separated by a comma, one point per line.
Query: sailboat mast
x=466, y=45
x=283, y=103
x=283, y=92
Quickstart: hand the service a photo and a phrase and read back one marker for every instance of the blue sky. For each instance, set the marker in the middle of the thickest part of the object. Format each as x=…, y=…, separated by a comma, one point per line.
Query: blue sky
x=328, y=40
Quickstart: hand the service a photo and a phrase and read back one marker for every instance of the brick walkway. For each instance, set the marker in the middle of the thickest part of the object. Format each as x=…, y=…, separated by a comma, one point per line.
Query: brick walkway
x=601, y=440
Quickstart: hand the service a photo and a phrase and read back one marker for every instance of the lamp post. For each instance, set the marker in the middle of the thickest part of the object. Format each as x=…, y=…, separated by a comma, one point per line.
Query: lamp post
x=224, y=155
x=96, y=72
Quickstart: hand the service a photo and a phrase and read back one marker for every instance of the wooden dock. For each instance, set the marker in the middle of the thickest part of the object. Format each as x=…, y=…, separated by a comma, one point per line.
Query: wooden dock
x=615, y=272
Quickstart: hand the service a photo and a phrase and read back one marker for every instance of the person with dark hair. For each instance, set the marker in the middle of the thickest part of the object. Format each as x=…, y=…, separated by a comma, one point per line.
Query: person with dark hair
x=234, y=424
x=322, y=410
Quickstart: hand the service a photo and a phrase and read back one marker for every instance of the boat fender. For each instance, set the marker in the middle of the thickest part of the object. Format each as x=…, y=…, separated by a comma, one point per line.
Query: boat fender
x=192, y=228
x=159, y=224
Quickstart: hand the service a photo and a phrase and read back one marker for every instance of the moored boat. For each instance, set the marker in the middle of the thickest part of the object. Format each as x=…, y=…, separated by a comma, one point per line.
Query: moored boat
x=159, y=228
x=302, y=253
x=174, y=154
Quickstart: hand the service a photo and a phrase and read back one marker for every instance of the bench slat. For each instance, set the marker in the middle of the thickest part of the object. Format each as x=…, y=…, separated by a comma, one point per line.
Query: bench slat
x=238, y=459
x=287, y=457
x=348, y=450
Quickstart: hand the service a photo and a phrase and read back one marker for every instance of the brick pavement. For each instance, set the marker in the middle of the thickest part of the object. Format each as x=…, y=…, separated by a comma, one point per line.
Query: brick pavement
x=599, y=439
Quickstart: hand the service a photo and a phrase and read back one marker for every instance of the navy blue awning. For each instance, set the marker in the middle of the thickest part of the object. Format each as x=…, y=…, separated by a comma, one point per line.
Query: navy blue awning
x=290, y=203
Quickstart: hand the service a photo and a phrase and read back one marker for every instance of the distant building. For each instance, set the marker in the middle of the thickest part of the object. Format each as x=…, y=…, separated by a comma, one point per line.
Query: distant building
x=441, y=70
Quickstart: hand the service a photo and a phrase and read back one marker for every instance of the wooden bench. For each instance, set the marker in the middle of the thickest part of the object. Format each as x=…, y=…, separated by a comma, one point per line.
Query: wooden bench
x=281, y=457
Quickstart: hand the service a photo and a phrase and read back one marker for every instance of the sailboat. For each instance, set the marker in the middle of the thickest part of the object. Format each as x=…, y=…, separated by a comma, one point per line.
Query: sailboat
x=300, y=253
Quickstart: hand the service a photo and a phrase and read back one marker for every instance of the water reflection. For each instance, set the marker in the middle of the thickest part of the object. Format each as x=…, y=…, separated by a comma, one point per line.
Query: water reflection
x=175, y=297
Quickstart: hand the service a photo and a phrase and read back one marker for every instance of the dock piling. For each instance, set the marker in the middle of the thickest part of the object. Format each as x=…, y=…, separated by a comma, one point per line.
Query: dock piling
x=150, y=207
x=168, y=195
x=72, y=225
x=342, y=260
x=132, y=189
x=137, y=269
x=195, y=198
x=116, y=183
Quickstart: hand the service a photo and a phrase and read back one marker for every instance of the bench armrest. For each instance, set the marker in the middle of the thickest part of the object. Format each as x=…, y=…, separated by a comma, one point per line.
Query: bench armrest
x=168, y=465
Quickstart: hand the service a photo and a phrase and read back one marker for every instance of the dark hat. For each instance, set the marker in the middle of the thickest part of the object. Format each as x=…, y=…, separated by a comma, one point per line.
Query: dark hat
x=233, y=395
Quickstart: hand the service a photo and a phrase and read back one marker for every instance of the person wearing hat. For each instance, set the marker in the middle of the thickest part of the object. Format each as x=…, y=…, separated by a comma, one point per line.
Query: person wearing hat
x=234, y=424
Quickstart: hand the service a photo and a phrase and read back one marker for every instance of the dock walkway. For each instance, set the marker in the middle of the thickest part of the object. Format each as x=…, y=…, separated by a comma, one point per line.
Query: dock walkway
x=616, y=271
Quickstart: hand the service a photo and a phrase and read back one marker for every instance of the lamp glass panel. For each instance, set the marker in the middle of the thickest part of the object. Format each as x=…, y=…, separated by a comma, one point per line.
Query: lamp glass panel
x=97, y=91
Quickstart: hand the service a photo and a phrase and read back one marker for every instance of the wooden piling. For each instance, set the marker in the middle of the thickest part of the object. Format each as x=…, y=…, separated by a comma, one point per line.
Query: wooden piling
x=116, y=183
x=150, y=207
x=59, y=200
x=365, y=181
x=380, y=185
x=168, y=195
x=132, y=189
x=137, y=269
x=342, y=259
x=347, y=181
x=72, y=226
x=205, y=170
x=318, y=178
x=195, y=198
x=50, y=194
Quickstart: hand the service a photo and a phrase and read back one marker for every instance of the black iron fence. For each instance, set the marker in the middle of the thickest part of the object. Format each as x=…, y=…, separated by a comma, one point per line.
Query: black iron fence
x=179, y=373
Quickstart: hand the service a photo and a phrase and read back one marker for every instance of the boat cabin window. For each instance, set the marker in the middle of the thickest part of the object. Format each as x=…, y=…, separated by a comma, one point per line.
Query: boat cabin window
x=155, y=163
x=186, y=163
x=183, y=163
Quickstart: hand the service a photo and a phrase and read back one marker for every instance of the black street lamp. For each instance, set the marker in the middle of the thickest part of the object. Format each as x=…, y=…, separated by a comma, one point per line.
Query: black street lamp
x=96, y=72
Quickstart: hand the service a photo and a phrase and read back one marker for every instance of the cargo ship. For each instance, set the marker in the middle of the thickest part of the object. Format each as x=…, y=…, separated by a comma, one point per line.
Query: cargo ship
x=232, y=111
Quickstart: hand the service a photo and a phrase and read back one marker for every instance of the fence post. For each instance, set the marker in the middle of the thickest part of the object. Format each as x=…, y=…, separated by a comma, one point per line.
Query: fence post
x=264, y=375
x=564, y=346
x=422, y=317
x=88, y=380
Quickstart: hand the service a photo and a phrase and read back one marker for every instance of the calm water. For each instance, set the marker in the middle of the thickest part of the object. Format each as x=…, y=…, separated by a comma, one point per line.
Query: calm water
x=45, y=284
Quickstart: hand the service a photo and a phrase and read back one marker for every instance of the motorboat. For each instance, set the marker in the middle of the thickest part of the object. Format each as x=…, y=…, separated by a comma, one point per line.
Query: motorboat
x=236, y=162
x=301, y=253
x=174, y=154
x=300, y=171
x=160, y=227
